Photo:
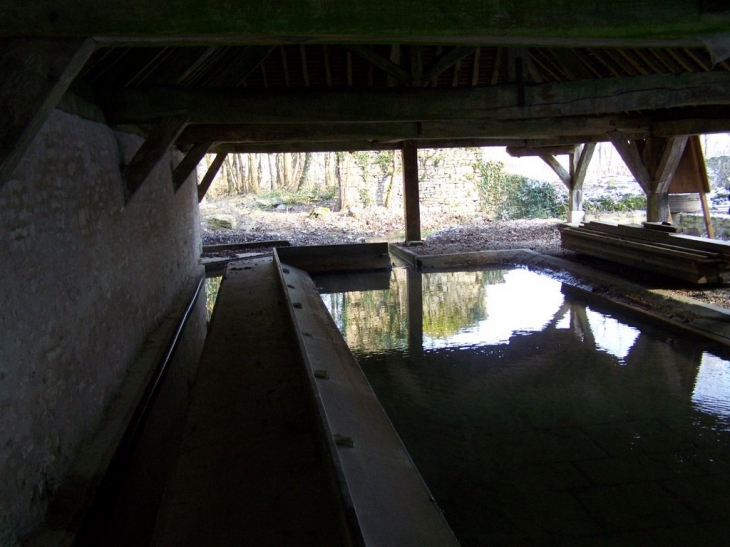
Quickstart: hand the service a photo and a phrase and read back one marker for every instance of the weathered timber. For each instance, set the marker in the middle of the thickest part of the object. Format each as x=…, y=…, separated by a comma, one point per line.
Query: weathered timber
x=344, y=146
x=567, y=22
x=244, y=64
x=411, y=196
x=34, y=75
x=696, y=266
x=629, y=152
x=188, y=164
x=584, y=160
x=673, y=150
x=337, y=258
x=578, y=98
x=706, y=214
x=653, y=170
x=386, y=65
x=246, y=245
x=636, y=126
x=559, y=170
x=691, y=126
x=525, y=152
x=210, y=175
x=443, y=62
x=678, y=239
x=160, y=139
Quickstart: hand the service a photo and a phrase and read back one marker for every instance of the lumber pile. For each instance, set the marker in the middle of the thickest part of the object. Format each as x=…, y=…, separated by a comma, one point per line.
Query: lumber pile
x=653, y=247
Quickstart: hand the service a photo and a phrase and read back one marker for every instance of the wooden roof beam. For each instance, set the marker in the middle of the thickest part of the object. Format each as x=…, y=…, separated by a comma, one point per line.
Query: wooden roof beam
x=637, y=127
x=579, y=98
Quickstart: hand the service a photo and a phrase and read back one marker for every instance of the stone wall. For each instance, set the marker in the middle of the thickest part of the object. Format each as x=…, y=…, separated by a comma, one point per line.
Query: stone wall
x=84, y=280
x=446, y=179
x=694, y=224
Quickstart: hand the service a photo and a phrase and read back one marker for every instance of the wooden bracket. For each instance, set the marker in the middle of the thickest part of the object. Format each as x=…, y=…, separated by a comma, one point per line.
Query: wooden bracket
x=210, y=175
x=162, y=136
x=629, y=152
x=34, y=75
x=188, y=164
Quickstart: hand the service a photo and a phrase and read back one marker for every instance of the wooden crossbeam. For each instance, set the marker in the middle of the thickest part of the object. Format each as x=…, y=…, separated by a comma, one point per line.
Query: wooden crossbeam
x=34, y=75
x=518, y=152
x=637, y=127
x=148, y=155
x=210, y=175
x=188, y=164
x=579, y=98
x=386, y=65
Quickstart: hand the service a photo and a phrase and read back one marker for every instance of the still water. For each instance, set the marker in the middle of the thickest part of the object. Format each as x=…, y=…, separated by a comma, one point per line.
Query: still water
x=536, y=419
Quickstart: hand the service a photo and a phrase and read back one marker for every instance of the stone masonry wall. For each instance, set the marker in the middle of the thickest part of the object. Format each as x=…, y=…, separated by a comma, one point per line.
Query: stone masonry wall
x=447, y=181
x=84, y=279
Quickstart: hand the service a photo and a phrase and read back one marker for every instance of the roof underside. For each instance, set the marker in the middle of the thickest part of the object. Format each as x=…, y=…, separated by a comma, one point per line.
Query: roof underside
x=311, y=75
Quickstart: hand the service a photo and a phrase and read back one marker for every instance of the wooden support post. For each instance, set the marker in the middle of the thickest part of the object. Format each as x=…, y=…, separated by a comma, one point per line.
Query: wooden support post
x=578, y=169
x=210, y=175
x=411, y=197
x=188, y=164
x=162, y=136
x=34, y=75
x=706, y=213
x=654, y=170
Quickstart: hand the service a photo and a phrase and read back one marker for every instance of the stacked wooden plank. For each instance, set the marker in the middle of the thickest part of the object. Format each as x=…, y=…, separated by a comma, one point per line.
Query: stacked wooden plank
x=656, y=248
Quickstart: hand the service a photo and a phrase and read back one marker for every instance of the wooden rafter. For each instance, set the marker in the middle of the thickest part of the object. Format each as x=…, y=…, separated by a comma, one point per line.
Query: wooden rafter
x=327, y=66
x=305, y=69
x=572, y=67
x=444, y=61
x=386, y=65
x=475, y=67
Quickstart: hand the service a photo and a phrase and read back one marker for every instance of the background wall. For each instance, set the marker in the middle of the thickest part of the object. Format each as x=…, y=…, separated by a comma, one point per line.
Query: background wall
x=83, y=280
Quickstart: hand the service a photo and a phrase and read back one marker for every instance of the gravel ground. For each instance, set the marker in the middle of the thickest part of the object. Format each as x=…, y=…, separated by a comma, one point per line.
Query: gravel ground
x=444, y=233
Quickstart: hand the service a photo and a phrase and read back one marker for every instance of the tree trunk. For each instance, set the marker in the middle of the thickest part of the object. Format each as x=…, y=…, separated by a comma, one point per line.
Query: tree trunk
x=305, y=171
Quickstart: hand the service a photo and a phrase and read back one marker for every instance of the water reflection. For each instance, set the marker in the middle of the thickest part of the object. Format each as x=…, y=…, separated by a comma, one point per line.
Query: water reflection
x=508, y=395
x=712, y=389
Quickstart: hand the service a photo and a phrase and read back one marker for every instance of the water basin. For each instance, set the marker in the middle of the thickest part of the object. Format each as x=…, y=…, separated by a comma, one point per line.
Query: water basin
x=537, y=418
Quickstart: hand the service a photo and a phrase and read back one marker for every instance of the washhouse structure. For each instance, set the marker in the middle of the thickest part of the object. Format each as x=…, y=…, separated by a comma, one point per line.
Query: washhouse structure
x=106, y=108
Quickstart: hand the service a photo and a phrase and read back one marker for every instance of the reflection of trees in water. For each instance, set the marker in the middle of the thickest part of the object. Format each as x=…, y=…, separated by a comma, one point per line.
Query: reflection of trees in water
x=212, y=284
x=454, y=301
x=378, y=320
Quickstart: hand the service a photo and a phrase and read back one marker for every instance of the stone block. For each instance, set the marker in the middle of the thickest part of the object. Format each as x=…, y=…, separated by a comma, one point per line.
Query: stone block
x=222, y=222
